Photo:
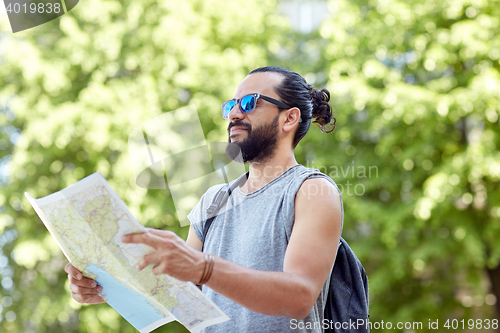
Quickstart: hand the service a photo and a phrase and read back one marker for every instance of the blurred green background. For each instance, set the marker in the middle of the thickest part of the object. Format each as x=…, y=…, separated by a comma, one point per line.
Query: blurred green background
x=415, y=88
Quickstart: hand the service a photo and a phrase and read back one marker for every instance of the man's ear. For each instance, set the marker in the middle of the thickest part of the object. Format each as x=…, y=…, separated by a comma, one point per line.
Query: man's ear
x=292, y=118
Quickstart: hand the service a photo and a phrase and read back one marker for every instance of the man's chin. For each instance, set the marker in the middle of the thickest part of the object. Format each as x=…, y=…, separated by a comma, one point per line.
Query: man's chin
x=233, y=151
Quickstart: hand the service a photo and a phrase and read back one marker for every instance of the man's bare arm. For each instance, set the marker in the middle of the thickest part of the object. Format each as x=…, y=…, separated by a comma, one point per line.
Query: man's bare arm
x=193, y=239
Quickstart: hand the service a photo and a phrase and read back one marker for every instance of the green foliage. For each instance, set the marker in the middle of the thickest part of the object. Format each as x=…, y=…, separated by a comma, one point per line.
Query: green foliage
x=416, y=86
x=78, y=86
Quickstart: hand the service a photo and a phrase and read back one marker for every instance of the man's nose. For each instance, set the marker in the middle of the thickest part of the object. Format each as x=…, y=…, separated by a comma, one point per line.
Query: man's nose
x=236, y=113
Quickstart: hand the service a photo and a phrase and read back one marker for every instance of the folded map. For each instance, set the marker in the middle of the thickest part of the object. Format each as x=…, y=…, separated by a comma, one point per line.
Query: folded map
x=87, y=220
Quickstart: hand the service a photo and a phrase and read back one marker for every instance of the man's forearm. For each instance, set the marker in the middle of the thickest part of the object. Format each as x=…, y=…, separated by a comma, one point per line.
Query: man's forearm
x=290, y=294
x=270, y=293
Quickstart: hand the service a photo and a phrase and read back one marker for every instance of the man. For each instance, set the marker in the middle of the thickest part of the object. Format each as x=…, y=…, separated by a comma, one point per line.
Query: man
x=272, y=252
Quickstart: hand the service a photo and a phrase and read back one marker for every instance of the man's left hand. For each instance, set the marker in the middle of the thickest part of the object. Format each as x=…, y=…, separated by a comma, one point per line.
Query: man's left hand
x=172, y=255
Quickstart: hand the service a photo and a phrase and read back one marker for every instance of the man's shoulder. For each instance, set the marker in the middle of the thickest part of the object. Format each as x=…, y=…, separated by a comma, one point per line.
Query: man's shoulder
x=319, y=186
x=307, y=170
x=319, y=195
x=313, y=182
x=316, y=176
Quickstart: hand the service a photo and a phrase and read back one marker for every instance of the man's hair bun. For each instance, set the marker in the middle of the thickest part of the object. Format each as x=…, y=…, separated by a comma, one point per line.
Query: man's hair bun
x=322, y=110
x=312, y=103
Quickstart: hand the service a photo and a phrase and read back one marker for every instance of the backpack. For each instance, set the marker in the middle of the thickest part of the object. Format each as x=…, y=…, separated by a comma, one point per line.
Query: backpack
x=346, y=309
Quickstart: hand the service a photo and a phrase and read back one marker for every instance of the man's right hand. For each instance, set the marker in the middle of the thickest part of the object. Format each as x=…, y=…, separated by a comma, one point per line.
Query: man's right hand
x=83, y=290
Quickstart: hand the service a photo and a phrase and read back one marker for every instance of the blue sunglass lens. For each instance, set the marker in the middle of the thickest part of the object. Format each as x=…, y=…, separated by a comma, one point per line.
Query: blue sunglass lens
x=226, y=108
x=247, y=103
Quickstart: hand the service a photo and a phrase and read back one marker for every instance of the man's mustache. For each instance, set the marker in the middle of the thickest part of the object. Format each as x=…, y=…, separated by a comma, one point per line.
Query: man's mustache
x=239, y=123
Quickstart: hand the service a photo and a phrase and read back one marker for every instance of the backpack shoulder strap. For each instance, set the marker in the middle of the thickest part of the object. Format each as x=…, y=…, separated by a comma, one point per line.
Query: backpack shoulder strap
x=219, y=201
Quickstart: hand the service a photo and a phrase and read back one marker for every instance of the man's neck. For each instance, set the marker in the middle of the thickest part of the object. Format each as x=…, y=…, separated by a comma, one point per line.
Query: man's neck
x=262, y=173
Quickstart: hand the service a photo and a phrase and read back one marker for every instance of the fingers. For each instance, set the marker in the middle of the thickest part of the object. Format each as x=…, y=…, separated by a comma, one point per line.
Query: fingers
x=161, y=233
x=172, y=255
x=148, y=238
x=72, y=271
x=85, y=291
x=152, y=258
x=160, y=269
x=75, y=277
x=84, y=282
x=87, y=299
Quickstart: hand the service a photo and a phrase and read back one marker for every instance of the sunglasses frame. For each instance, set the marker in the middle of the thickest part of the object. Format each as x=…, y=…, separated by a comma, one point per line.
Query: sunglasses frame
x=271, y=100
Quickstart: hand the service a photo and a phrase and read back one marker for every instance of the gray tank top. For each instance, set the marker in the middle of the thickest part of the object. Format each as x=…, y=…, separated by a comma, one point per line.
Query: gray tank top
x=254, y=232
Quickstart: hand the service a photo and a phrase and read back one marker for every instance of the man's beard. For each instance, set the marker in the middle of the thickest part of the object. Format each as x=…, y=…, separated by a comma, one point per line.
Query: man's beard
x=260, y=144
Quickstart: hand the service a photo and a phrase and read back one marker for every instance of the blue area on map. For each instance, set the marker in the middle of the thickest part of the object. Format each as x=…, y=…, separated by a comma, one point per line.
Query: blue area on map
x=130, y=305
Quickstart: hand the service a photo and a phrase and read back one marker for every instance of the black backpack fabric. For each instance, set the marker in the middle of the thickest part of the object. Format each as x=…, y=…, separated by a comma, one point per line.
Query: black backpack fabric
x=347, y=306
